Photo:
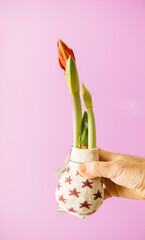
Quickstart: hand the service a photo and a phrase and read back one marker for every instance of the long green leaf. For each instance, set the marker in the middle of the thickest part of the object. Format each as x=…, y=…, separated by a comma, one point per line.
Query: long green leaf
x=83, y=138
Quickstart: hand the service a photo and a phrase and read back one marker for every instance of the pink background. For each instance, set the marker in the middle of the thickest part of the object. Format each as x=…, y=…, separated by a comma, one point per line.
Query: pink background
x=108, y=39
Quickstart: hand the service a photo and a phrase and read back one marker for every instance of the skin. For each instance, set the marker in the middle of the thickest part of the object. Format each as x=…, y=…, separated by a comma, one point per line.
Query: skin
x=122, y=175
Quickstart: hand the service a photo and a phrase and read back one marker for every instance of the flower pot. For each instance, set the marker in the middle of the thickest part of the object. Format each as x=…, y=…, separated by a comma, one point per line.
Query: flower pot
x=74, y=193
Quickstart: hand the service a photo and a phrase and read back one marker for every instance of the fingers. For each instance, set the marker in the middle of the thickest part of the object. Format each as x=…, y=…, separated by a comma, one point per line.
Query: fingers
x=96, y=169
x=91, y=172
x=106, y=194
x=67, y=159
x=104, y=156
x=110, y=187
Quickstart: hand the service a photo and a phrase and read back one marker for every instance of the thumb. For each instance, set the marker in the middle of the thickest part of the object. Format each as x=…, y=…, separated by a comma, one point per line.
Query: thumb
x=97, y=169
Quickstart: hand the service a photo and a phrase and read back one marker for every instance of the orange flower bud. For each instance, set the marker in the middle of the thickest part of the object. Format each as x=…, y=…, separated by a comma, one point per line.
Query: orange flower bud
x=63, y=53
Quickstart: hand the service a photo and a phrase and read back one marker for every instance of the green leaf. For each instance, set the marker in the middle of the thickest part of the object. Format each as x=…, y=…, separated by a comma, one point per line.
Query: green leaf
x=83, y=138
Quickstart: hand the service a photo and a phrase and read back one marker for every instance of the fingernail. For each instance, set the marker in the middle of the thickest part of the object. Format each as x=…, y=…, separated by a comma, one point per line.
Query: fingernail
x=82, y=168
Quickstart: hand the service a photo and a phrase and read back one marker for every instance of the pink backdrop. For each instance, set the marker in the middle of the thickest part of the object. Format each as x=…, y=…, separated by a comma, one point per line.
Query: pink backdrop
x=108, y=39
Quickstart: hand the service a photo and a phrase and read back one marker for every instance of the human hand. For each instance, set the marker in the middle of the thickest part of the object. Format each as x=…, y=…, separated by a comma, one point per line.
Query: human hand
x=123, y=175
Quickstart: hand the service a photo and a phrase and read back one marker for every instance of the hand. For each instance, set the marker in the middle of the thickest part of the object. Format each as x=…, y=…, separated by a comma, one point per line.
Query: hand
x=123, y=175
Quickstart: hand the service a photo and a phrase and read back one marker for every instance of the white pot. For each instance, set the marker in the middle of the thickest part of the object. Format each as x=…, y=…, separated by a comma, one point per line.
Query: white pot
x=76, y=194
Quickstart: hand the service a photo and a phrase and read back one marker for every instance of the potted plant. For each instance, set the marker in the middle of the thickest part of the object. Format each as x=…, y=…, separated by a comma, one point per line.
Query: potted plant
x=75, y=194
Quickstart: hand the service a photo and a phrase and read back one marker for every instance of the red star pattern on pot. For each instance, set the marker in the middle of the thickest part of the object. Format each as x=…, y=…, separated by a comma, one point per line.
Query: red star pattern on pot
x=97, y=195
x=68, y=179
x=85, y=204
x=71, y=210
x=58, y=186
x=62, y=199
x=77, y=173
x=74, y=192
x=68, y=169
x=87, y=184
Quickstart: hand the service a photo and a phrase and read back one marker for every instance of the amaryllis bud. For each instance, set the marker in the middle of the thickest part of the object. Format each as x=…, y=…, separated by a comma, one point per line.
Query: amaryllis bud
x=63, y=54
x=86, y=97
x=72, y=77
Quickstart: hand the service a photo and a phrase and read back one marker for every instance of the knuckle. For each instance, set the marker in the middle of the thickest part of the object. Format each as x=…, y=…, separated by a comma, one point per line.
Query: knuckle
x=92, y=168
x=96, y=166
x=118, y=164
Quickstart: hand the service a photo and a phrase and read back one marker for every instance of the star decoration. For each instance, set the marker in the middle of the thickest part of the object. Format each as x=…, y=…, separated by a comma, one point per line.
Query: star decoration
x=62, y=199
x=68, y=169
x=68, y=179
x=85, y=204
x=87, y=184
x=74, y=192
x=97, y=195
x=77, y=173
x=58, y=186
x=71, y=210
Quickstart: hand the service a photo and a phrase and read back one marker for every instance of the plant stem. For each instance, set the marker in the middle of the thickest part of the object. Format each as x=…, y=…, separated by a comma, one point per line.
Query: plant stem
x=91, y=118
x=91, y=129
